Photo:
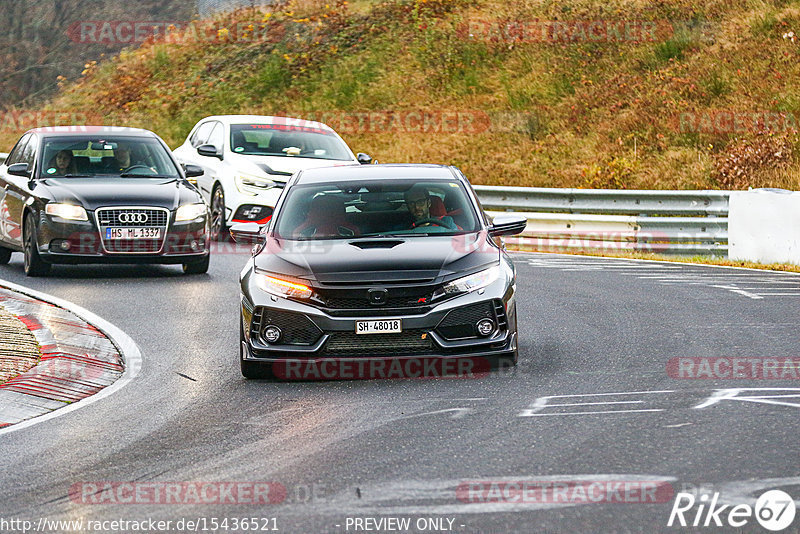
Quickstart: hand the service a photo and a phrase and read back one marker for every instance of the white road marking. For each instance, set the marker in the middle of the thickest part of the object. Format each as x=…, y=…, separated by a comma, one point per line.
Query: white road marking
x=592, y=413
x=734, y=394
x=682, y=274
x=734, y=289
x=542, y=403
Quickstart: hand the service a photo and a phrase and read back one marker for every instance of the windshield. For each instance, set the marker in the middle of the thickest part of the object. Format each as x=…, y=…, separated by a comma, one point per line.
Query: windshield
x=287, y=140
x=376, y=208
x=103, y=156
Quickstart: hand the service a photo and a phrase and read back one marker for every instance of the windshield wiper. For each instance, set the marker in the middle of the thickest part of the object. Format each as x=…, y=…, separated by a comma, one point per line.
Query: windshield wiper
x=73, y=176
x=394, y=234
x=137, y=175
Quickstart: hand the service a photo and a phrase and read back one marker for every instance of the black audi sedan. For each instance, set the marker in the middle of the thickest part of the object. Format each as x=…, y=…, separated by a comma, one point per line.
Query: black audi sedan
x=378, y=271
x=100, y=194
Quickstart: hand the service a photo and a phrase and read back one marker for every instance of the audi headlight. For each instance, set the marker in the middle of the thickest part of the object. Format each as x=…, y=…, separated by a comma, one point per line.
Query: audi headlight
x=67, y=211
x=190, y=212
x=282, y=288
x=250, y=184
x=472, y=282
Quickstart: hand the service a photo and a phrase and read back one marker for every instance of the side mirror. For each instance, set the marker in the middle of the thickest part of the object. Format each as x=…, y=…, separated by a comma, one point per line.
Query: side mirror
x=364, y=159
x=19, y=169
x=193, y=171
x=247, y=233
x=209, y=151
x=507, y=225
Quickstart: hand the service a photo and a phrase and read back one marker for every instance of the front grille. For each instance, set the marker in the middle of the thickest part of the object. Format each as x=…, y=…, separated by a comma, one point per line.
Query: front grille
x=358, y=299
x=132, y=217
x=460, y=323
x=110, y=217
x=345, y=303
x=297, y=329
x=408, y=342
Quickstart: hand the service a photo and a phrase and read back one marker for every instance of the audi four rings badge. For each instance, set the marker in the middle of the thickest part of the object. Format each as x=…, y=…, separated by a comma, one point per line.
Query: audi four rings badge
x=138, y=218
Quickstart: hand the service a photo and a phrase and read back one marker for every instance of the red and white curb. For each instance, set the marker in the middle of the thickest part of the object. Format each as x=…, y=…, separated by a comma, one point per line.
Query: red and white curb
x=84, y=358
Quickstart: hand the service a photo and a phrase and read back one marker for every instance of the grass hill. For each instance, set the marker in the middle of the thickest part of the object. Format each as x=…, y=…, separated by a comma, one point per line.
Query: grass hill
x=582, y=93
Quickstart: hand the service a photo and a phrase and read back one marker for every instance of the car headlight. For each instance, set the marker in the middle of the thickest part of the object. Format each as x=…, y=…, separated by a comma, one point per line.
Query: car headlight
x=282, y=288
x=253, y=185
x=472, y=282
x=67, y=211
x=190, y=212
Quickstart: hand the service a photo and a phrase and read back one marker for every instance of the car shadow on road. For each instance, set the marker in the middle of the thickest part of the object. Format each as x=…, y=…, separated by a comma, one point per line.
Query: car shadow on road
x=95, y=271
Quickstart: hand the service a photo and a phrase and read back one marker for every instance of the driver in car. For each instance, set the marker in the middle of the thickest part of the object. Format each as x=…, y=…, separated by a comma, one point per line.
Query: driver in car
x=418, y=201
x=122, y=159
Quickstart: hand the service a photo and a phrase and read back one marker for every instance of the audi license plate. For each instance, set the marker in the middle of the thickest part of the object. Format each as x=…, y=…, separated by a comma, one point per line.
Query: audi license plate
x=389, y=326
x=133, y=233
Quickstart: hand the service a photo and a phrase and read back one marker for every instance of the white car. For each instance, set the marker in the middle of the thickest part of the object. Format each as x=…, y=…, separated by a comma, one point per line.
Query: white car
x=248, y=159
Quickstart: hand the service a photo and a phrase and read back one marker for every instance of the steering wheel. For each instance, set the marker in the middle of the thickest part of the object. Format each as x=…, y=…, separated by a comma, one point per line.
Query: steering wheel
x=138, y=167
x=429, y=221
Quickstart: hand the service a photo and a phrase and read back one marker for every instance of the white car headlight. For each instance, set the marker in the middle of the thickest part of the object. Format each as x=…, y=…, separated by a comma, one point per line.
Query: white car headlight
x=250, y=184
x=67, y=211
x=282, y=288
x=472, y=282
x=190, y=212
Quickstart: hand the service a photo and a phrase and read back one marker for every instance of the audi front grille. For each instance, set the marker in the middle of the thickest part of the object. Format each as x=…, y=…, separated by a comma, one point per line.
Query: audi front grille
x=132, y=217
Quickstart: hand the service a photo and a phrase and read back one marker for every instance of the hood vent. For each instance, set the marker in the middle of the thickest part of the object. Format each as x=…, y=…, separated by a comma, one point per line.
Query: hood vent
x=377, y=243
x=272, y=172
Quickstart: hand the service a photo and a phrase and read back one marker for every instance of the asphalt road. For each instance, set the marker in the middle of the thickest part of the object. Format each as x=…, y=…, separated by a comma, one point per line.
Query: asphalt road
x=402, y=448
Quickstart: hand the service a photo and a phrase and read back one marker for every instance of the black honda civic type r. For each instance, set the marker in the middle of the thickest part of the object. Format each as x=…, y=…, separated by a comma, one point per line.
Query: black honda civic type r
x=100, y=194
x=378, y=271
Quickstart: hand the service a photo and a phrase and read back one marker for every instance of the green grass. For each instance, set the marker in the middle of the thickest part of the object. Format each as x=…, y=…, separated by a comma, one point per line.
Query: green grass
x=570, y=111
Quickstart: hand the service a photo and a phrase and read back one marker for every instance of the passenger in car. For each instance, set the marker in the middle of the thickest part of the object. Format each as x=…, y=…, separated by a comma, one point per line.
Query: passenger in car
x=62, y=164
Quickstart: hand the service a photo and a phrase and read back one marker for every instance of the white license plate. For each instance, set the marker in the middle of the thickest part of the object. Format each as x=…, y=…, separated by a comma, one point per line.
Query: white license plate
x=388, y=326
x=133, y=233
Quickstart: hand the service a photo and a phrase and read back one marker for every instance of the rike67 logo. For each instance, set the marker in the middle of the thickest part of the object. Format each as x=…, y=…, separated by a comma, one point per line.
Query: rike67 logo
x=774, y=510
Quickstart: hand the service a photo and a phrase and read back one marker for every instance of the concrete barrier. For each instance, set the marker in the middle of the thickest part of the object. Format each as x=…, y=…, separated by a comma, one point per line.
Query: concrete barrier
x=764, y=226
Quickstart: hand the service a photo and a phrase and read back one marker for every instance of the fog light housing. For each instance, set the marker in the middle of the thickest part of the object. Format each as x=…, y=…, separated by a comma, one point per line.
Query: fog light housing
x=272, y=334
x=60, y=244
x=485, y=327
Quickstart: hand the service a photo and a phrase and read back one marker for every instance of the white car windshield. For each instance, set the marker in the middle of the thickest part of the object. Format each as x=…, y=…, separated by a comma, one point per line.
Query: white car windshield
x=288, y=141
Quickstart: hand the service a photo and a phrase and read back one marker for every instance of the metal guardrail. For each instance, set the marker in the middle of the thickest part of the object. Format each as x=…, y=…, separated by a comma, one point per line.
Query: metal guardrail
x=667, y=222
